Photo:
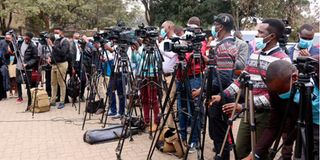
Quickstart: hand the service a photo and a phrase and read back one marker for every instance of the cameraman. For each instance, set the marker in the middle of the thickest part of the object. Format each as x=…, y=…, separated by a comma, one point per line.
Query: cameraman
x=170, y=60
x=305, y=46
x=184, y=88
x=76, y=51
x=226, y=55
x=26, y=60
x=58, y=61
x=45, y=52
x=269, y=32
x=280, y=77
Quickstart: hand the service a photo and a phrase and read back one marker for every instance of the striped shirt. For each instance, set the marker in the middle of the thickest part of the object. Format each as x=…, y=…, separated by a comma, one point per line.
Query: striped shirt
x=260, y=91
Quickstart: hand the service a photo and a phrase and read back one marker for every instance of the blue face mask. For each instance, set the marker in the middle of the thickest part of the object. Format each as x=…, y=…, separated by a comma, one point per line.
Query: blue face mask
x=213, y=31
x=259, y=43
x=163, y=33
x=303, y=43
x=285, y=95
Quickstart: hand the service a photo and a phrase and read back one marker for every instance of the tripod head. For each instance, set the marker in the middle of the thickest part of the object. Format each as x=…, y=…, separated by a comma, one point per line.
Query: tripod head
x=306, y=67
x=244, y=78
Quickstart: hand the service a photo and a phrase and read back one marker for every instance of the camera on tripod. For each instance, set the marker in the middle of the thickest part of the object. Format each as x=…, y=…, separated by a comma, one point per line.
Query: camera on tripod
x=118, y=34
x=194, y=37
x=43, y=37
x=306, y=65
x=287, y=31
x=146, y=32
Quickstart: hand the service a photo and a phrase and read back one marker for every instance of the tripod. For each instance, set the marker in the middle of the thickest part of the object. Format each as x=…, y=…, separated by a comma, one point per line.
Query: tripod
x=180, y=65
x=247, y=85
x=81, y=75
x=17, y=54
x=304, y=139
x=122, y=66
x=93, y=89
x=151, y=75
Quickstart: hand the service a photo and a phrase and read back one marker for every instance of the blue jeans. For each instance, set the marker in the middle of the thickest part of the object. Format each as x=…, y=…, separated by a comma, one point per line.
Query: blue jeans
x=115, y=84
x=186, y=107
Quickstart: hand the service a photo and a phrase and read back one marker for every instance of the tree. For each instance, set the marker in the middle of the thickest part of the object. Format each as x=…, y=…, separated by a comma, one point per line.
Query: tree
x=12, y=8
x=78, y=14
x=180, y=11
x=245, y=11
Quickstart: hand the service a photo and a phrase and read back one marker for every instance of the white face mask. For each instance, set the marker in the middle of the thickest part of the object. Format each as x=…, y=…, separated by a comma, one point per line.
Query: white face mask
x=56, y=36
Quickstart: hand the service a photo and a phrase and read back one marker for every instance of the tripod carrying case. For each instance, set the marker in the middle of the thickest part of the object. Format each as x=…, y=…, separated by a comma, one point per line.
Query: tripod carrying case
x=40, y=102
x=106, y=134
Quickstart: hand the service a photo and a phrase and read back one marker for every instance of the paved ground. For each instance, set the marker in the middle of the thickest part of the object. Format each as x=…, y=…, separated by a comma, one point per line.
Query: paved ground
x=57, y=135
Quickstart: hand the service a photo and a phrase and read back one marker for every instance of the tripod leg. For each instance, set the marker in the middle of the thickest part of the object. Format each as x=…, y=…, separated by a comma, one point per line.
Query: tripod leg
x=219, y=155
x=161, y=125
x=252, y=120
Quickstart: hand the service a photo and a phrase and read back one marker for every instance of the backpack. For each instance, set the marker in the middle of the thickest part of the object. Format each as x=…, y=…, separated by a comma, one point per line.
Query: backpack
x=69, y=56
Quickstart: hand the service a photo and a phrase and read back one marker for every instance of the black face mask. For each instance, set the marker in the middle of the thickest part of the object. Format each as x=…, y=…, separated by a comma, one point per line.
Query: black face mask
x=8, y=42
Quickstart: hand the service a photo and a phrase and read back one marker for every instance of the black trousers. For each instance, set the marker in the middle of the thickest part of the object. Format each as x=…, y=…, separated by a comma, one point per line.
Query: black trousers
x=48, y=81
x=3, y=93
x=28, y=83
x=217, y=130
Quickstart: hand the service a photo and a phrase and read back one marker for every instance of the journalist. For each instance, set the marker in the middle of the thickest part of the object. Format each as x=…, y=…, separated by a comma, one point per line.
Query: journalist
x=269, y=32
x=26, y=60
x=58, y=61
x=304, y=47
x=280, y=77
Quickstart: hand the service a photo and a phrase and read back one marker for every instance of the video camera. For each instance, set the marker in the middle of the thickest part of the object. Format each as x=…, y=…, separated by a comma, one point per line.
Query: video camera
x=146, y=32
x=118, y=34
x=194, y=37
x=43, y=37
x=306, y=65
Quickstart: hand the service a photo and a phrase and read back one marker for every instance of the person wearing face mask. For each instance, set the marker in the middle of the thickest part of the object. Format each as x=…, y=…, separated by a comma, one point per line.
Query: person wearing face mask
x=305, y=46
x=170, y=60
x=26, y=60
x=280, y=77
x=77, y=62
x=6, y=53
x=185, y=103
x=269, y=32
x=226, y=53
x=58, y=61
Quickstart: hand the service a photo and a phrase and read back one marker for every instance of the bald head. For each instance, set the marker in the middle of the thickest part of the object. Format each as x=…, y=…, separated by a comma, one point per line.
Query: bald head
x=280, y=69
x=168, y=27
x=280, y=76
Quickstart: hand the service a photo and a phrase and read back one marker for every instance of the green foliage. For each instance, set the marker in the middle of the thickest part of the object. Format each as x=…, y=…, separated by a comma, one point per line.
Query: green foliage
x=180, y=11
x=75, y=14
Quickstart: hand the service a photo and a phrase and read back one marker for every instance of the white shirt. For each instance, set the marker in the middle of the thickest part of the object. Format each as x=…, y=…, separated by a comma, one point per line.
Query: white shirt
x=78, y=55
x=170, y=58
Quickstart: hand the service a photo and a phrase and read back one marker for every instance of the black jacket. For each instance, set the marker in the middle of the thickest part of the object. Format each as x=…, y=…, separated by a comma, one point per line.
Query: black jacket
x=60, y=51
x=30, y=55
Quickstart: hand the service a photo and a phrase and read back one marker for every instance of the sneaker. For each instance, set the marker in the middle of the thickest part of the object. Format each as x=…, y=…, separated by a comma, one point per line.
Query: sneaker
x=111, y=114
x=53, y=104
x=117, y=116
x=192, y=148
x=61, y=105
x=19, y=100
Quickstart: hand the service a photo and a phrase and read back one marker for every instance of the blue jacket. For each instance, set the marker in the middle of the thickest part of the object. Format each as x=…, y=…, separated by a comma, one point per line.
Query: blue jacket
x=313, y=51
